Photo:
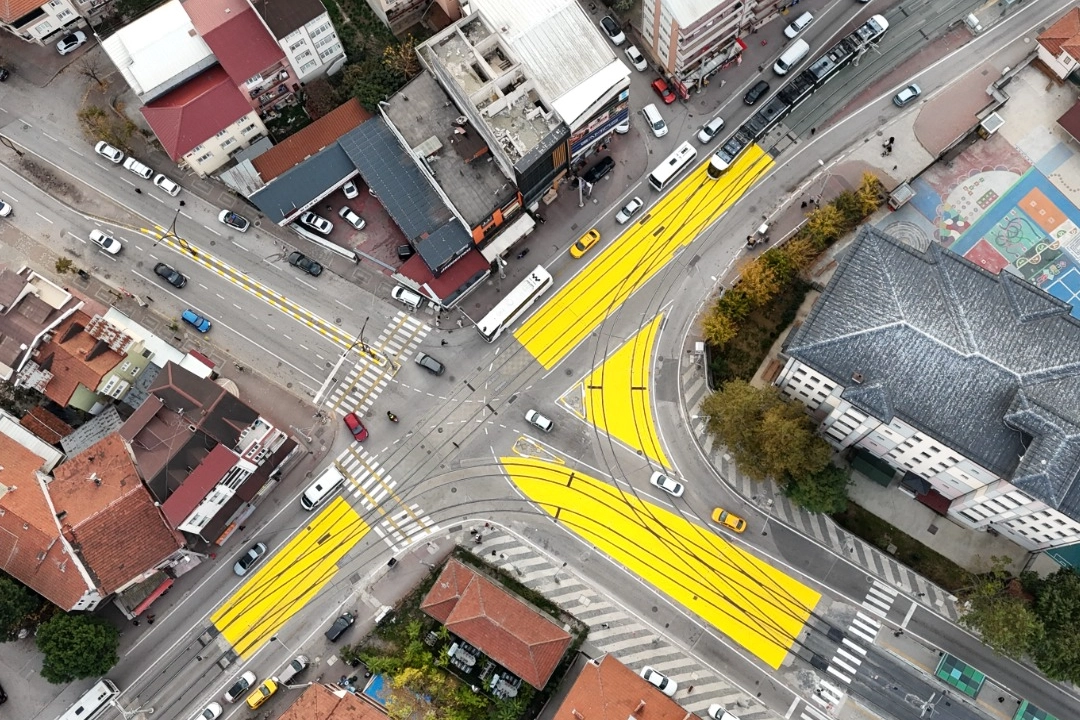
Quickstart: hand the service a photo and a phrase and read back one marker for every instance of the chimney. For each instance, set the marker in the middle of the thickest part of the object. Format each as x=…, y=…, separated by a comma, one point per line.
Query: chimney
x=640, y=707
x=857, y=378
x=577, y=715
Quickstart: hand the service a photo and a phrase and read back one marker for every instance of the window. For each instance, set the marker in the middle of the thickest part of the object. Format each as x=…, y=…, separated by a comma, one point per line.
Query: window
x=298, y=43
x=222, y=133
x=227, y=143
x=203, y=158
x=330, y=51
x=305, y=54
x=249, y=128
x=308, y=66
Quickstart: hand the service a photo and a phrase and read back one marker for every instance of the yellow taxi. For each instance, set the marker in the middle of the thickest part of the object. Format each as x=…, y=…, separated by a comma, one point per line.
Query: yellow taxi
x=262, y=693
x=587, y=241
x=720, y=516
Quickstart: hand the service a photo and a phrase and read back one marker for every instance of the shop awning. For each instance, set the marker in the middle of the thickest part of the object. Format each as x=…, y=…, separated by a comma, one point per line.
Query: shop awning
x=157, y=592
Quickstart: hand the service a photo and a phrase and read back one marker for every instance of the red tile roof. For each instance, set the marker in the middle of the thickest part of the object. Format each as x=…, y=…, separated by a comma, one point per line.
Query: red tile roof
x=501, y=626
x=45, y=425
x=608, y=690
x=297, y=147
x=30, y=546
x=12, y=10
x=66, y=357
x=236, y=35
x=196, y=111
x=319, y=702
x=1063, y=35
x=195, y=487
x=109, y=516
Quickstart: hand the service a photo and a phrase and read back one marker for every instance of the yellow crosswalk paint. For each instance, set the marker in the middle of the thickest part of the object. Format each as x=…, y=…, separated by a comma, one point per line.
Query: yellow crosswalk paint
x=289, y=579
x=753, y=603
x=635, y=257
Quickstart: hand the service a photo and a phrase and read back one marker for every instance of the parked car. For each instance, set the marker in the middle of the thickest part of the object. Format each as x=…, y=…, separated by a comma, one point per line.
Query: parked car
x=352, y=218
x=661, y=87
x=356, y=427
x=534, y=418
x=262, y=693
x=237, y=222
x=623, y=127
x=107, y=151
x=801, y=23
x=669, y=485
x=248, y=559
x=106, y=242
x=297, y=666
x=138, y=168
x=3, y=695
x=585, y=242
x=195, y=320
x=5, y=209
x=430, y=364
x=302, y=261
x=317, y=223
x=71, y=43
x=173, y=277
x=710, y=130
x=4, y=73
x=636, y=58
x=662, y=682
x=720, y=516
x=628, y=210
x=717, y=712
x=240, y=687
x=339, y=627
x=350, y=190
x=907, y=95
x=167, y=185
x=212, y=712
x=598, y=171
x=756, y=93
x=612, y=30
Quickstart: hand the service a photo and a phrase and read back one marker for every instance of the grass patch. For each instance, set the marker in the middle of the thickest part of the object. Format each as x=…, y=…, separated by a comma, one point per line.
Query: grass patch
x=740, y=358
x=932, y=565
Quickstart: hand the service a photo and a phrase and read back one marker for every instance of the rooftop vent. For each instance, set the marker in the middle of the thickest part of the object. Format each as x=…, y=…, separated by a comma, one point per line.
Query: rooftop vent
x=857, y=378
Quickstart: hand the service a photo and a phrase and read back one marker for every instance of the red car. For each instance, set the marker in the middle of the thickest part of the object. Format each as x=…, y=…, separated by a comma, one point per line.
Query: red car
x=356, y=427
x=661, y=87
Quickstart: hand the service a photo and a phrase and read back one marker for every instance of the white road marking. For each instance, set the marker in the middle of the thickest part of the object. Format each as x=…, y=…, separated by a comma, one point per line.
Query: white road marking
x=239, y=245
x=44, y=218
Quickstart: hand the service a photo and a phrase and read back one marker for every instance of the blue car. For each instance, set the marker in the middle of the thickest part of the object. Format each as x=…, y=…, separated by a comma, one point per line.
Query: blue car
x=196, y=321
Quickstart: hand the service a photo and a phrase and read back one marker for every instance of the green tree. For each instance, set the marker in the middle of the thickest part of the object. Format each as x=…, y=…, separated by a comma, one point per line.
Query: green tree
x=822, y=492
x=1057, y=605
x=869, y=193
x=718, y=328
x=759, y=282
x=76, y=646
x=789, y=446
x=825, y=225
x=734, y=415
x=17, y=606
x=369, y=82
x=1005, y=620
x=426, y=693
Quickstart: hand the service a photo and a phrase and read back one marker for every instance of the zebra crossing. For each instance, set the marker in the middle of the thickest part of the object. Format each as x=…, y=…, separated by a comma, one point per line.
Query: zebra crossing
x=614, y=630
x=372, y=488
x=879, y=599
x=367, y=379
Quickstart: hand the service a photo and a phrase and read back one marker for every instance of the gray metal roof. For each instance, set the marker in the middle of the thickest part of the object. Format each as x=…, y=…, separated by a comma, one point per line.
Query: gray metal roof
x=989, y=364
x=297, y=189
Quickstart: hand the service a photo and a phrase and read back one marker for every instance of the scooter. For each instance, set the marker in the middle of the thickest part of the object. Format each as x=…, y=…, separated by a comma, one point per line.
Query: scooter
x=392, y=416
x=523, y=253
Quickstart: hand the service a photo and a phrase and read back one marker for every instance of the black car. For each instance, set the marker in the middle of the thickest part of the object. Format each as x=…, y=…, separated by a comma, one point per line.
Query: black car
x=174, y=278
x=430, y=364
x=756, y=93
x=3, y=76
x=3, y=695
x=598, y=171
x=339, y=627
x=305, y=263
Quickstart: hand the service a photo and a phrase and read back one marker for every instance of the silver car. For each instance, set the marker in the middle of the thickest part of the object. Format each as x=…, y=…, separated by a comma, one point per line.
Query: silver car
x=248, y=559
x=536, y=419
x=710, y=130
x=907, y=95
x=352, y=218
x=628, y=210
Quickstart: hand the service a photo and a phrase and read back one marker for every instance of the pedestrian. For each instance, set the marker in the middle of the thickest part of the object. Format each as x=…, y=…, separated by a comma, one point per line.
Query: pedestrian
x=444, y=342
x=892, y=140
x=478, y=539
x=135, y=622
x=138, y=190
x=812, y=131
x=804, y=203
x=689, y=689
x=150, y=620
x=473, y=531
x=895, y=166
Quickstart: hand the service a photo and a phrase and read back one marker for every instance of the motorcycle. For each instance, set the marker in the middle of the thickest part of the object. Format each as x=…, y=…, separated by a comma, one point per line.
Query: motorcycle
x=392, y=416
x=523, y=253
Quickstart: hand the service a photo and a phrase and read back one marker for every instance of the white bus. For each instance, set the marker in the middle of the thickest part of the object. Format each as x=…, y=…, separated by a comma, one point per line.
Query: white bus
x=93, y=703
x=673, y=166
x=511, y=307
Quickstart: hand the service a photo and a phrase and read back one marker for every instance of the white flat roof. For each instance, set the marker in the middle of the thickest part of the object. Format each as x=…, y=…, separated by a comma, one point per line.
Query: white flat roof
x=158, y=46
x=555, y=40
x=688, y=12
x=579, y=101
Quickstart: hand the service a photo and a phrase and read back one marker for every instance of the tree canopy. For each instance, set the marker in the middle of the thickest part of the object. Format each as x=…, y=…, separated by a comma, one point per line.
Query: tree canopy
x=76, y=646
x=17, y=604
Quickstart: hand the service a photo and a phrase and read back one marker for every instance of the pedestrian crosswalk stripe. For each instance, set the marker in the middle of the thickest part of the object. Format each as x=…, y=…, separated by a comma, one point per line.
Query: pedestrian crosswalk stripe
x=857, y=648
x=837, y=673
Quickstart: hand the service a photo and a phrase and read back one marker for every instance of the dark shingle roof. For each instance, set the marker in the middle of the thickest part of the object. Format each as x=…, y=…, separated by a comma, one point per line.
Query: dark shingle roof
x=975, y=359
x=285, y=16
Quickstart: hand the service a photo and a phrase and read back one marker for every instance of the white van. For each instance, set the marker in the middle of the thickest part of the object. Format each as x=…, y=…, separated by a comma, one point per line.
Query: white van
x=325, y=485
x=655, y=120
x=792, y=57
x=800, y=24
x=407, y=297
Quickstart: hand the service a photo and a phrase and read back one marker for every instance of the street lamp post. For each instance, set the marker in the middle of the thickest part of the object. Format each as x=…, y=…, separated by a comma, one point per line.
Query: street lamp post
x=275, y=638
x=171, y=232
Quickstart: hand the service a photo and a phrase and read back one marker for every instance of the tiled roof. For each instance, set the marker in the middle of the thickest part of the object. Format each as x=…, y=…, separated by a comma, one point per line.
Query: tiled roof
x=238, y=38
x=109, y=516
x=988, y=364
x=285, y=16
x=319, y=702
x=197, y=484
x=313, y=138
x=45, y=425
x=501, y=626
x=196, y=111
x=205, y=404
x=12, y=10
x=608, y=690
x=30, y=550
x=1063, y=35
x=75, y=357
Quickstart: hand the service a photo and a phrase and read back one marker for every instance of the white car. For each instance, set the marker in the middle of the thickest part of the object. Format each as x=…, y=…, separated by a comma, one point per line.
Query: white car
x=107, y=151
x=800, y=24
x=670, y=486
x=71, y=43
x=317, y=223
x=212, y=712
x=662, y=682
x=237, y=222
x=710, y=130
x=350, y=190
x=636, y=58
x=352, y=218
x=612, y=30
x=623, y=127
x=717, y=712
x=167, y=185
x=138, y=168
x=238, y=688
x=628, y=210
x=534, y=418
x=5, y=209
x=106, y=242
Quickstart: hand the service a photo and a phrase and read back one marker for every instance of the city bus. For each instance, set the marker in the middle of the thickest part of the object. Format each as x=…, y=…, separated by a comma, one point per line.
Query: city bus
x=673, y=166
x=511, y=307
x=94, y=702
